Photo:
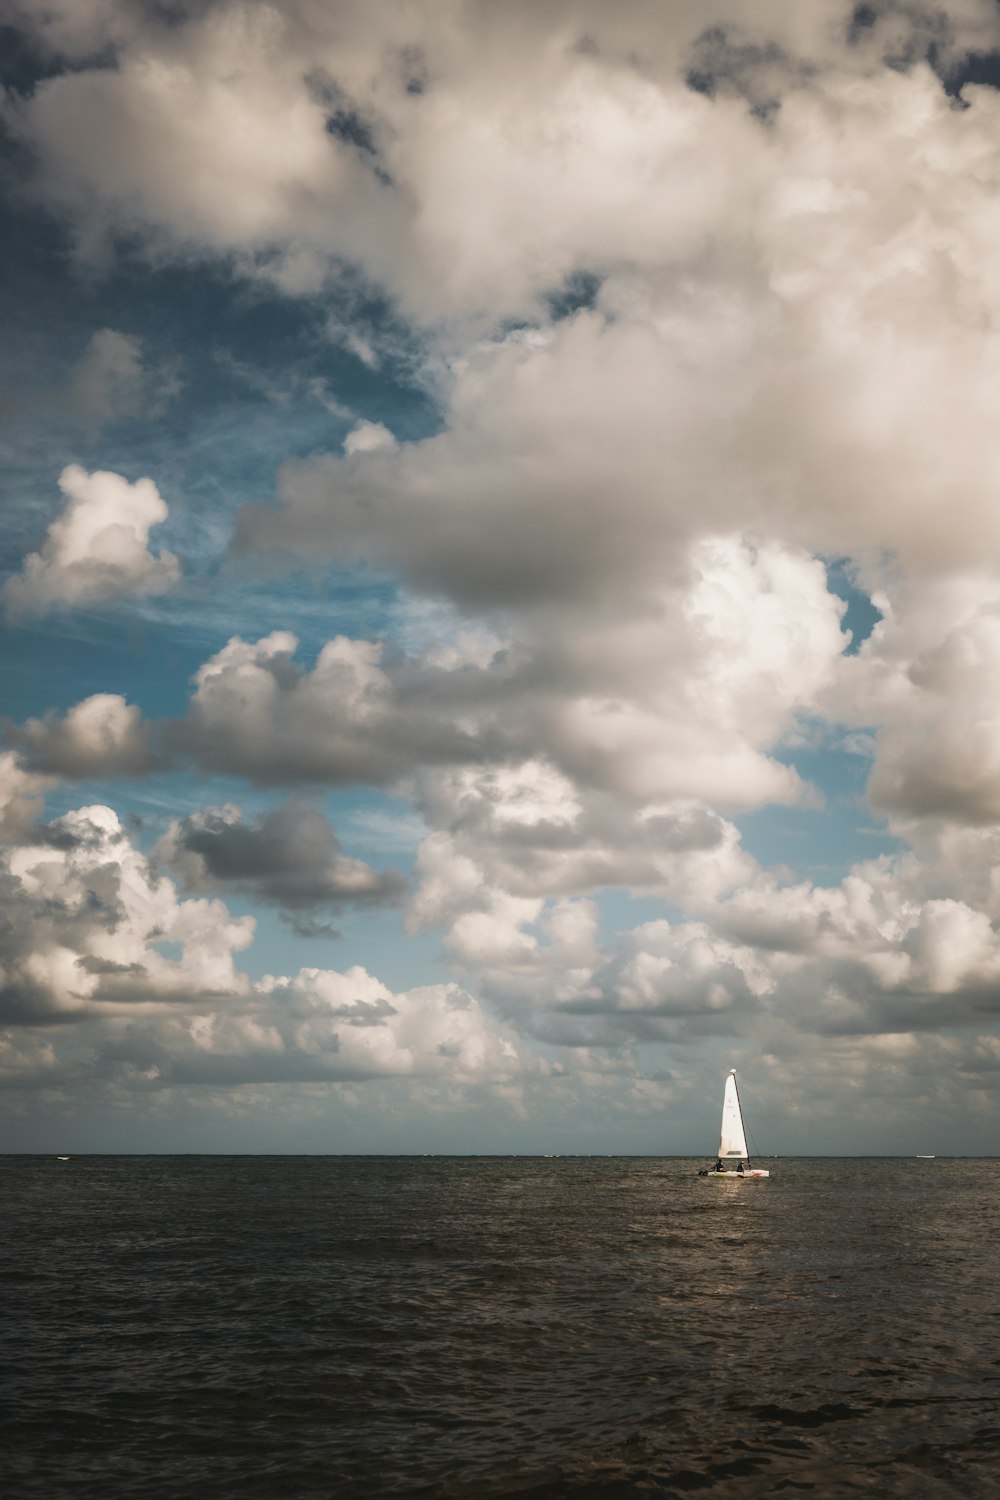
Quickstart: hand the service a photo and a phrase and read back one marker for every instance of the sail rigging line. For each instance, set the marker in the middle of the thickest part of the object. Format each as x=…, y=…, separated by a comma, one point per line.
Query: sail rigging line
x=747, y=1131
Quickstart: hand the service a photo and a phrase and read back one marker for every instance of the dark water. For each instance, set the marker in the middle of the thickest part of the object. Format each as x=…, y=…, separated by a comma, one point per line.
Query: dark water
x=440, y=1327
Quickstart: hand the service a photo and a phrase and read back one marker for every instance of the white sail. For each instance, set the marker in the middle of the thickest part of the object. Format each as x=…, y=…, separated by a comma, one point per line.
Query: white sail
x=734, y=1141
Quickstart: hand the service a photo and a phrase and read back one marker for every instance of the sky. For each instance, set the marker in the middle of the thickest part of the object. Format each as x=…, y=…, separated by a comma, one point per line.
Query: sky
x=500, y=575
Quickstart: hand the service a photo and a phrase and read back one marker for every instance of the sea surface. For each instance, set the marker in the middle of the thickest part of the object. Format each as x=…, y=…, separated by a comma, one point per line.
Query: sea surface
x=481, y=1327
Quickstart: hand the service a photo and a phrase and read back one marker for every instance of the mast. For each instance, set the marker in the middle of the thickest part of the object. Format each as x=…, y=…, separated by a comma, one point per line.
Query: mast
x=739, y=1106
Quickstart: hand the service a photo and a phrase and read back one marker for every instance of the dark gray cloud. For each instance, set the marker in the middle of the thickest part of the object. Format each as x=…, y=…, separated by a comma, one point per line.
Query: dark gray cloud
x=101, y=736
x=725, y=60
x=290, y=857
x=304, y=925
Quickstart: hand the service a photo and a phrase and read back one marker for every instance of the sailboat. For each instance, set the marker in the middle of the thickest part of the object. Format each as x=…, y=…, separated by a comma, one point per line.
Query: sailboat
x=733, y=1142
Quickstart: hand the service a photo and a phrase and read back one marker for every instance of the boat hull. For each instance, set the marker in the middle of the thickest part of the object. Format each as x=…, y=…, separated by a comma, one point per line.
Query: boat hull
x=728, y=1176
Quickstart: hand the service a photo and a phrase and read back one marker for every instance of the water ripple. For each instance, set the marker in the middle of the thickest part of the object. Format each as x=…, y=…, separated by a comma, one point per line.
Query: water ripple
x=458, y=1328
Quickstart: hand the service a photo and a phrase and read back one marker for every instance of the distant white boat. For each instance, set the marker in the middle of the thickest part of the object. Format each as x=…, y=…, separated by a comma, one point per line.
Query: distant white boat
x=925, y=1158
x=733, y=1141
x=62, y=1158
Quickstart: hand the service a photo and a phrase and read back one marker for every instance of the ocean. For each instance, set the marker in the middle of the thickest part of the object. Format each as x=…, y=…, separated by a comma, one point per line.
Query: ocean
x=471, y=1327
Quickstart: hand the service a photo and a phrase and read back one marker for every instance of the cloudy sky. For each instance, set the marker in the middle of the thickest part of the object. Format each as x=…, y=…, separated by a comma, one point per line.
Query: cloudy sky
x=501, y=575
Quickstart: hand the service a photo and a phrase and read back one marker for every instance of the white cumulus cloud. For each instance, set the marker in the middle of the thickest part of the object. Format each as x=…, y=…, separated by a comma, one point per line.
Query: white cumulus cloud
x=97, y=550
